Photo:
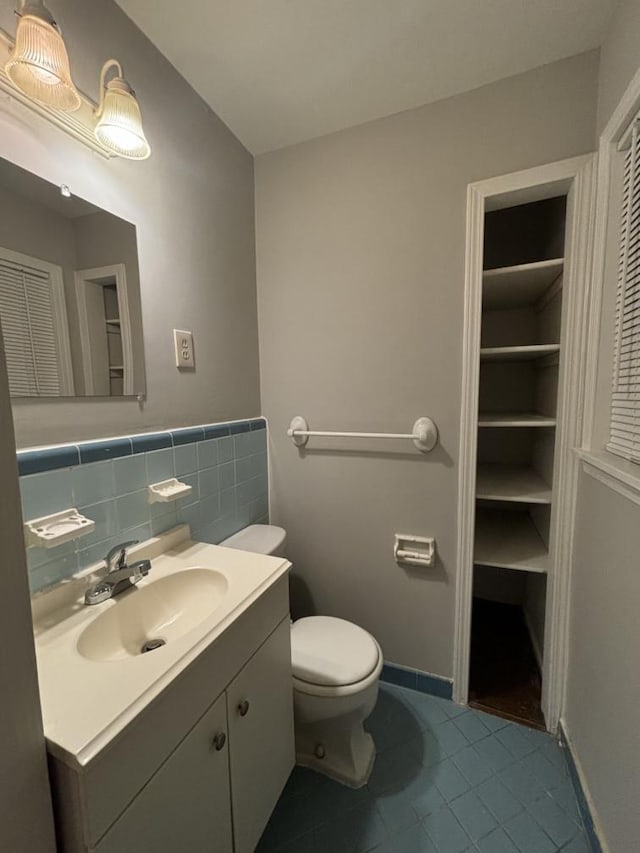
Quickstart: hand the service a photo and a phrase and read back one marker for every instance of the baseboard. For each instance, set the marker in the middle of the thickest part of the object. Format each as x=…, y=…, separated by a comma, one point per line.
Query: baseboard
x=414, y=679
x=585, y=803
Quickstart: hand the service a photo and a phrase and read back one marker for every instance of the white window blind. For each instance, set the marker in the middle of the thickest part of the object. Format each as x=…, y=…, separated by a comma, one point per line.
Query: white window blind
x=624, y=438
x=29, y=332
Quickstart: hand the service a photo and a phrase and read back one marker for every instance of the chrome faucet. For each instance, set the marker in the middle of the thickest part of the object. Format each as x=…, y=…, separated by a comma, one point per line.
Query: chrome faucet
x=119, y=576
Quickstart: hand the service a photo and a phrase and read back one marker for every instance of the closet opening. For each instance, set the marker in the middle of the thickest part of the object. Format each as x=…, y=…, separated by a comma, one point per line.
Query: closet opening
x=507, y=631
x=518, y=386
x=526, y=319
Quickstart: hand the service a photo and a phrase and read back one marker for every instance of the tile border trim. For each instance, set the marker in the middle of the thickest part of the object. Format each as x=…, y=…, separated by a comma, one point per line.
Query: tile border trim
x=38, y=460
x=415, y=679
x=581, y=791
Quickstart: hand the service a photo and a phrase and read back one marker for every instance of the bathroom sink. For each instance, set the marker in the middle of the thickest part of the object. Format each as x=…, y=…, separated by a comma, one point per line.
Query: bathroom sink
x=146, y=618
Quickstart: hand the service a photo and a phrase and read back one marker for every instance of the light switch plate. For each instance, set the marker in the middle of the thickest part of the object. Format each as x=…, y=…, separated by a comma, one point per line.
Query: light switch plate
x=183, y=342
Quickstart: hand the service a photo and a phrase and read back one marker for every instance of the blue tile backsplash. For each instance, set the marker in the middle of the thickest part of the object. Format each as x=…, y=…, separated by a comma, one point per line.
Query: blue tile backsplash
x=226, y=465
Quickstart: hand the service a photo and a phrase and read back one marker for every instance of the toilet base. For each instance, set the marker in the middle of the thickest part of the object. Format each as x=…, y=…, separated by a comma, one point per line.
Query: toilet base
x=342, y=752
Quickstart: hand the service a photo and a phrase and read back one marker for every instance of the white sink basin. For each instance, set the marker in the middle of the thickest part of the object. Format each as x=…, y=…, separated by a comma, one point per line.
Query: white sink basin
x=162, y=610
x=93, y=678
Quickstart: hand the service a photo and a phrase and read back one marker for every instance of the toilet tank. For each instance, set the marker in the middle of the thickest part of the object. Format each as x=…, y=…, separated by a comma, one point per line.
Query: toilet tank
x=259, y=538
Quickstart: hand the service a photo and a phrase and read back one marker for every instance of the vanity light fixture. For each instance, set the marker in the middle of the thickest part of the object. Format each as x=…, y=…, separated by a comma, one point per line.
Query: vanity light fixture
x=119, y=126
x=39, y=64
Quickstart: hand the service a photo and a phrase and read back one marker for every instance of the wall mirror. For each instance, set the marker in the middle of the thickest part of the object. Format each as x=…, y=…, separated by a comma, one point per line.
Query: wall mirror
x=69, y=293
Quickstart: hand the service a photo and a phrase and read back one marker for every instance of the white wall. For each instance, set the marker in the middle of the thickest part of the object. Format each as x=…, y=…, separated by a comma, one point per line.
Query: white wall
x=360, y=265
x=192, y=203
x=603, y=693
x=603, y=689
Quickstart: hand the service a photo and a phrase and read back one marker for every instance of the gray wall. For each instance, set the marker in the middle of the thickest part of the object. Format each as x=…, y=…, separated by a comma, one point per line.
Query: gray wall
x=619, y=57
x=102, y=240
x=603, y=689
x=49, y=237
x=27, y=821
x=604, y=686
x=360, y=265
x=192, y=203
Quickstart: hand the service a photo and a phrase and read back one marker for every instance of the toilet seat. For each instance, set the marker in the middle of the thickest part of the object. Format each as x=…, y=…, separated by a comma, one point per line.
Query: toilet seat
x=332, y=657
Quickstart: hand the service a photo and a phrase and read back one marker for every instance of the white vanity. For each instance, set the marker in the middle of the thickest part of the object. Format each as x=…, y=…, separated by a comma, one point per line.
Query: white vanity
x=186, y=748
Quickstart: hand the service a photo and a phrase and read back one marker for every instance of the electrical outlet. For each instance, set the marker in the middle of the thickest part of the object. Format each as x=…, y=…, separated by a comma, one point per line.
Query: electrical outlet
x=183, y=342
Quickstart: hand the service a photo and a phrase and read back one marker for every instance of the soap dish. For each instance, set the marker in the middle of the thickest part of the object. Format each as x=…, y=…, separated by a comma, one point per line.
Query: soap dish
x=168, y=490
x=52, y=530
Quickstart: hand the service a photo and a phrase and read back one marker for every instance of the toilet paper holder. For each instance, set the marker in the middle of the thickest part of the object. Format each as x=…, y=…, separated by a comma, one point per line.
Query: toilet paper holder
x=411, y=550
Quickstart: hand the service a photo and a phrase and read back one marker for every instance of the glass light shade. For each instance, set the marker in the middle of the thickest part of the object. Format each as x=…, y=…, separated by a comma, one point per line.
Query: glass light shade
x=39, y=64
x=119, y=126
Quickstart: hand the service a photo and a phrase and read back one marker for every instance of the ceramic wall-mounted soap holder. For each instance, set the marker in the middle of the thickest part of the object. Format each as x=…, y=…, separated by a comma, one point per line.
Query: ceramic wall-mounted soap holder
x=52, y=530
x=168, y=490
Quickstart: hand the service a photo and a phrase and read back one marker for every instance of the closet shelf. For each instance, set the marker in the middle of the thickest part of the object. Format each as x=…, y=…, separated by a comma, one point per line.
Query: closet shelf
x=500, y=482
x=518, y=286
x=509, y=540
x=525, y=353
x=112, y=322
x=514, y=419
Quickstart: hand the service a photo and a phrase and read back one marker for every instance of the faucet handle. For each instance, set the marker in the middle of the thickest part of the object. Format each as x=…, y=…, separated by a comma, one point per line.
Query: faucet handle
x=117, y=556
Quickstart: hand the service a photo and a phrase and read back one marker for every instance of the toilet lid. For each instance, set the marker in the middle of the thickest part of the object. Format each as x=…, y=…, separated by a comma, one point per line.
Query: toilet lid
x=332, y=652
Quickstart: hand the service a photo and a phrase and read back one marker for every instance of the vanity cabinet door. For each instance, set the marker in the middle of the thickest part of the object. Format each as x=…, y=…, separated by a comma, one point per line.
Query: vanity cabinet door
x=185, y=806
x=262, y=752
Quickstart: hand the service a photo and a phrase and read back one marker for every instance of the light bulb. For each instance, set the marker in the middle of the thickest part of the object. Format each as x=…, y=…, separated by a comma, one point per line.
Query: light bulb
x=39, y=64
x=119, y=126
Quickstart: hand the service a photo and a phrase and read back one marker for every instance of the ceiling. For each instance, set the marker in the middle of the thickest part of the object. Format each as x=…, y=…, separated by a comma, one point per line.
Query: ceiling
x=281, y=71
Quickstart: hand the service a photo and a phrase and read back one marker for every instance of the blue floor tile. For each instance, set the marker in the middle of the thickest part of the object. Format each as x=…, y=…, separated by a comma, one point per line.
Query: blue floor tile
x=578, y=845
x=551, y=775
x=446, y=779
x=424, y=795
x=514, y=739
x=554, y=820
x=445, y=831
x=497, y=842
x=397, y=811
x=413, y=840
x=474, y=768
x=429, y=711
x=473, y=816
x=449, y=780
x=471, y=726
x=450, y=738
x=527, y=835
x=499, y=800
x=494, y=753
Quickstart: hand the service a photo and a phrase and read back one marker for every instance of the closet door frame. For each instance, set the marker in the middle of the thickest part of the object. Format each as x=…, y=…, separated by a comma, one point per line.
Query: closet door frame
x=574, y=178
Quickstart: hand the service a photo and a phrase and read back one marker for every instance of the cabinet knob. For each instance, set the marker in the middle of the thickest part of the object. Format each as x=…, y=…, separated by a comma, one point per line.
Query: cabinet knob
x=243, y=707
x=219, y=740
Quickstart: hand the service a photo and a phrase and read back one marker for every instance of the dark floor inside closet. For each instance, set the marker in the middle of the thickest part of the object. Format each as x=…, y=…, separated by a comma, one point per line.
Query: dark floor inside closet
x=504, y=678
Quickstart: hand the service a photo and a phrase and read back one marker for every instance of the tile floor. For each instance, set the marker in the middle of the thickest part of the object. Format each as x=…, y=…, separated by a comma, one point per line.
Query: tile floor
x=447, y=779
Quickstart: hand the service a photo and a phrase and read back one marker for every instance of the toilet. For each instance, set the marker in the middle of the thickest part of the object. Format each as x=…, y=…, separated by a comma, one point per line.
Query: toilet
x=336, y=669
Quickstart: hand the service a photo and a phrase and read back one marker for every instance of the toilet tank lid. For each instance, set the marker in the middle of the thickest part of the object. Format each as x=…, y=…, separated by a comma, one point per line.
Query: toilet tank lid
x=332, y=652
x=258, y=538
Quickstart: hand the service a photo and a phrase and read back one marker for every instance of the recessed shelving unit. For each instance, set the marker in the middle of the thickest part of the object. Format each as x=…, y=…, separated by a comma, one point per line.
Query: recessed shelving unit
x=114, y=337
x=518, y=353
x=516, y=483
x=509, y=540
x=520, y=285
x=515, y=420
